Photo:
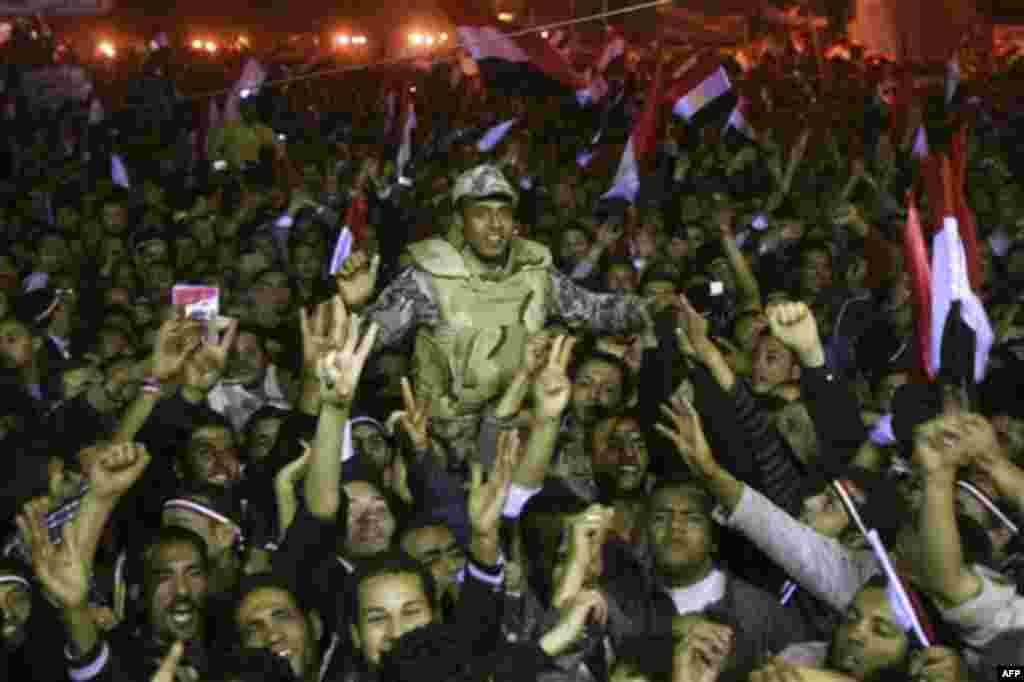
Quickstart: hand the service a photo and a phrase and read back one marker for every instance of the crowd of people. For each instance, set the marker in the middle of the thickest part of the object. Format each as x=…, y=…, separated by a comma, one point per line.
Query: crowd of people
x=522, y=432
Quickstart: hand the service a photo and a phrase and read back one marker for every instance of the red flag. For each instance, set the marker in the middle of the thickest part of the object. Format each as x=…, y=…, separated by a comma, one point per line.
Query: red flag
x=915, y=256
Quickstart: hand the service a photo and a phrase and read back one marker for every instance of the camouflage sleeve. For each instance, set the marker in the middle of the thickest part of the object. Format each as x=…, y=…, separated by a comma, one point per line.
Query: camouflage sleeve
x=404, y=304
x=600, y=313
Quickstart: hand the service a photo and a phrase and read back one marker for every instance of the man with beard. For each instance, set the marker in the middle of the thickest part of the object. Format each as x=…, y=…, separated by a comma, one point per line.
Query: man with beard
x=174, y=576
x=251, y=380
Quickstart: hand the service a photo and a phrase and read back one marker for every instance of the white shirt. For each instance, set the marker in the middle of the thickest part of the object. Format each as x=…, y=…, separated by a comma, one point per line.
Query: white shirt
x=238, y=403
x=696, y=598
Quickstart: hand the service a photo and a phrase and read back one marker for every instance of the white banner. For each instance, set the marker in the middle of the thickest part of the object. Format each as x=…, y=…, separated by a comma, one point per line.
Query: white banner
x=54, y=7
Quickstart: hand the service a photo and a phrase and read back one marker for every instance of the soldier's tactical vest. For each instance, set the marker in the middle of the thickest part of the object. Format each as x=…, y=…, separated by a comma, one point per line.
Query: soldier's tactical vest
x=469, y=358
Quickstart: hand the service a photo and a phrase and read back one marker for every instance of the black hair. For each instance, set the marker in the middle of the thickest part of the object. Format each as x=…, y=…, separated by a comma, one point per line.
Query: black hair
x=540, y=539
x=582, y=359
x=689, y=486
x=173, y=535
x=393, y=562
x=290, y=585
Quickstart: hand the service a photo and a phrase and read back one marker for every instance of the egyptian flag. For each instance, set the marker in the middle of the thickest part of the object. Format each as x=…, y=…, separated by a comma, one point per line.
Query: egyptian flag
x=642, y=146
x=703, y=93
x=523, y=65
x=961, y=334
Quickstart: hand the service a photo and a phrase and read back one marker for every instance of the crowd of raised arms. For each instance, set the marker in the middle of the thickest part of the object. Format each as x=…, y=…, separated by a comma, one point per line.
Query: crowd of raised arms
x=522, y=432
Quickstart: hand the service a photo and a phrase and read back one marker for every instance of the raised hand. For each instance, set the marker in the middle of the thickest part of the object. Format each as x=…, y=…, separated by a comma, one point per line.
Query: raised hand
x=487, y=499
x=939, y=446
x=937, y=664
x=341, y=365
x=357, y=278
x=687, y=434
x=62, y=570
x=535, y=353
x=117, y=469
x=589, y=606
x=552, y=388
x=588, y=532
x=168, y=670
x=316, y=328
x=176, y=340
x=415, y=418
x=702, y=653
x=693, y=332
x=795, y=326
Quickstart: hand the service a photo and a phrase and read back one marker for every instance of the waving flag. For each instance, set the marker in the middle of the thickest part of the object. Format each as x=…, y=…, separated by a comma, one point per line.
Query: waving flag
x=703, y=93
x=960, y=328
x=641, y=146
x=408, y=126
x=526, y=64
x=118, y=172
x=915, y=255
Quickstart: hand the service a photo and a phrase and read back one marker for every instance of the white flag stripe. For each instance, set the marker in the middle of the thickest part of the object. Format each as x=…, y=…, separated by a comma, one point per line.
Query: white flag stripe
x=488, y=42
x=495, y=135
x=950, y=283
x=627, y=178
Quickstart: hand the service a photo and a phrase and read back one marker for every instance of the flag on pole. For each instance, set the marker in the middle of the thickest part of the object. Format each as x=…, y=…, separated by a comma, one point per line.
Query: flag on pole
x=493, y=137
x=642, y=145
x=703, y=93
x=408, y=126
x=118, y=172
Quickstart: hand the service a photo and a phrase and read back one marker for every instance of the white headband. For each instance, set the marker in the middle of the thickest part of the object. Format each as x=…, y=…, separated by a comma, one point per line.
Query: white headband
x=180, y=503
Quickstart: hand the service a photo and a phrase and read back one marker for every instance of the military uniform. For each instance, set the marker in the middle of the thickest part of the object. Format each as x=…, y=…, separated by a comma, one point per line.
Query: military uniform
x=472, y=321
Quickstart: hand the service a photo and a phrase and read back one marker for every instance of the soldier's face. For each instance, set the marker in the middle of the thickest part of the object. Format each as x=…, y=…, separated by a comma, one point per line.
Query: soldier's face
x=488, y=227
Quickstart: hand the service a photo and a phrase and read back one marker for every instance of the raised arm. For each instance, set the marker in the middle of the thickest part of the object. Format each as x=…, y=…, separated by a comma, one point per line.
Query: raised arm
x=551, y=392
x=64, y=572
x=339, y=369
x=176, y=341
x=941, y=449
x=746, y=282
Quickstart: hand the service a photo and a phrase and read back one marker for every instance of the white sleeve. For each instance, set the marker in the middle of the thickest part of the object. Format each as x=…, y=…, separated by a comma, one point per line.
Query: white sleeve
x=821, y=565
x=518, y=496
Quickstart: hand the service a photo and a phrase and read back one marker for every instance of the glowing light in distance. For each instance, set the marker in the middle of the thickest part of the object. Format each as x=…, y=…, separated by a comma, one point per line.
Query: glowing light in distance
x=506, y=17
x=545, y=35
x=359, y=40
x=197, y=44
x=430, y=40
x=416, y=39
x=210, y=46
x=107, y=49
x=243, y=41
x=444, y=37
x=340, y=40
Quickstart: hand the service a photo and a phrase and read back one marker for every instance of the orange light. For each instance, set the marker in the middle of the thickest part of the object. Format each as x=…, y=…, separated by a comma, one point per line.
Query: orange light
x=210, y=46
x=444, y=37
x=506, y=17
x=545, y=35
x=107, y=49
x=430, y=40
x=197, y=44
x=416, y=39
x=340, y=40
